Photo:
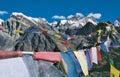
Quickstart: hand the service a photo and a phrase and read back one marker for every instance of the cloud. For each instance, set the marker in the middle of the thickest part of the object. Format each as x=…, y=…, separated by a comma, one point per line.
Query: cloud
x=97, y=15
x=79, y=15
x=3, y=12
x=58, y=17
x=70, y=16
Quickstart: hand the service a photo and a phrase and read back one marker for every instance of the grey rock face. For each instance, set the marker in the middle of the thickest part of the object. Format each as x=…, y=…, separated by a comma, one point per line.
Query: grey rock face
x=36, y=42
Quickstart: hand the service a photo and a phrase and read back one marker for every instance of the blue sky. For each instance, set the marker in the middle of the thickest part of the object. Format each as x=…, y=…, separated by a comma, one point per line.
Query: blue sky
x=48, y=8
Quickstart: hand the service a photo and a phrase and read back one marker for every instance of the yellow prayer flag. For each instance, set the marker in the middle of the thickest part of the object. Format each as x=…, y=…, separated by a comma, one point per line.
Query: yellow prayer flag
x=99, y=31
x=113, y=30
x=82, y=60
x=19, y=31
x=114, y=71
x=58, y=36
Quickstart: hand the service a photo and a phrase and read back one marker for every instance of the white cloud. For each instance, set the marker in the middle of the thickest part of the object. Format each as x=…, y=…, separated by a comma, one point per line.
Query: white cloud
x=70, y=16
x=97, y=15
x=3, y=12
x=58, y=17
x=79, y=15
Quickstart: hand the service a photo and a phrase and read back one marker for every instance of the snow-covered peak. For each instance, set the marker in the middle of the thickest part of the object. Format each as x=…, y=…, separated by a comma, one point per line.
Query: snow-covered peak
x=53, y=23
x=63, y=22
x=34, y=20
x=18, y=14
x=90, y=19
x=1, y=21
x=43, y=19
x=78, y=20
x=82, y=21
x=21, y=15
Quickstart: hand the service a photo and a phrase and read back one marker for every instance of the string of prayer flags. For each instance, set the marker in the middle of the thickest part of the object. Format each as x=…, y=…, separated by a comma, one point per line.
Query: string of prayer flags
x=66, y=37
x=32, y=31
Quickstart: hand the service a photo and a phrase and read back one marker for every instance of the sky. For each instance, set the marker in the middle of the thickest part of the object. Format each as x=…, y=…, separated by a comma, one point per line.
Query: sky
x=109, y=9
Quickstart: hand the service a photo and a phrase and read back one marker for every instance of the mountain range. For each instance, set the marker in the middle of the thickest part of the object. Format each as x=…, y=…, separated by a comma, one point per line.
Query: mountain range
x=76, y=25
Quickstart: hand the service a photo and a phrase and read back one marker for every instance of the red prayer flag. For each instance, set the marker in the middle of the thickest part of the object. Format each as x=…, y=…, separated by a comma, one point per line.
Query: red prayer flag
x=67, y=43
x=99, y=55
x=1, y=28
x=92, y=34
x=73, y=37
x=44, y=31
x=48, y=56
x=118, y=19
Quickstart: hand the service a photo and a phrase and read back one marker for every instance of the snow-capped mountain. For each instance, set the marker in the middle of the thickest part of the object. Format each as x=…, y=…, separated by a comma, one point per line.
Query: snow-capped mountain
x=77, y=20
x=20, y=17
x=74, y=23
x=18, y=21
